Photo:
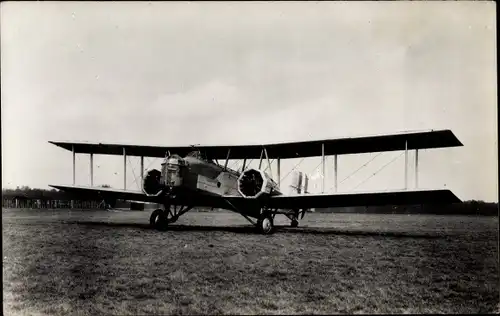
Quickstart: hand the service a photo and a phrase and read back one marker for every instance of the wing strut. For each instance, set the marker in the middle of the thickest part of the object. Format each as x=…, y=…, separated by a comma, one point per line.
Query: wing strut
x=74, y=163
x=74, y=171
x=335, y=171
x=260, y=159
x=279, y=172
x=91, y=169
x=416, y=168
x=323, y=168
x=124, y=169
x=227, y=158
x=268, y=162
x=142, y=170
x=406, y=165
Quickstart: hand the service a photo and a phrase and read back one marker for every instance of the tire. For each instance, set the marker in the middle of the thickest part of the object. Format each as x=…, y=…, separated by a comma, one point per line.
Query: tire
x=265, y=225
x=294, y=223
x=158, y=220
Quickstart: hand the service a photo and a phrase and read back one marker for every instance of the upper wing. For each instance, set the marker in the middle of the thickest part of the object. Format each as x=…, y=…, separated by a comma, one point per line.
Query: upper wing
x=406, y=197
x=338, y=146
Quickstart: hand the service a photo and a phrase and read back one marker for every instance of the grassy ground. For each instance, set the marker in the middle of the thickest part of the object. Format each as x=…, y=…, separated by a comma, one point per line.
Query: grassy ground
x=96, y=262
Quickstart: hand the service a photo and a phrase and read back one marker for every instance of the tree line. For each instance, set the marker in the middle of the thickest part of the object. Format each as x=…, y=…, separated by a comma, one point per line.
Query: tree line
x=26, y=192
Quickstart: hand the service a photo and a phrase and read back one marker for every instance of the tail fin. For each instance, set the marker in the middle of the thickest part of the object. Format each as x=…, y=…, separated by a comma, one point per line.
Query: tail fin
x=299, y=185
x=296, y=184
x=306, y=183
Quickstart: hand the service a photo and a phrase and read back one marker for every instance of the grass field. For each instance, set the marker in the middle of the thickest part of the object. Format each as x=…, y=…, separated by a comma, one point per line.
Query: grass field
x=97, y=262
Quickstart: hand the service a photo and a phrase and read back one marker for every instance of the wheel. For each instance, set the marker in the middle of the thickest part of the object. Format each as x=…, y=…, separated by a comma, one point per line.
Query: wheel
x=294, y=223
x=266, y=225
x=158, y=219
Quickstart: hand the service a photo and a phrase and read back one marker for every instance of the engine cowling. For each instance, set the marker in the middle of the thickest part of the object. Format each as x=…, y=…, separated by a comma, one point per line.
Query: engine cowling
x=255, y=183
x=152, y=184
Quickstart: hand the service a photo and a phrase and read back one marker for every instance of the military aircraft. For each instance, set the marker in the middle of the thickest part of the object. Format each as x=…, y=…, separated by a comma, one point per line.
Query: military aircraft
x=191, y=176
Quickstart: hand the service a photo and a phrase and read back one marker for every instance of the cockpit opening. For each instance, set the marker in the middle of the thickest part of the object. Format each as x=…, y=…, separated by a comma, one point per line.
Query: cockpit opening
x=200, y=155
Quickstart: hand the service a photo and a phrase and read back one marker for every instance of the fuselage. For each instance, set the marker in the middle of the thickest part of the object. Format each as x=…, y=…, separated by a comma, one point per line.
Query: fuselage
x=195, y=178
x=194, y=173
x=191, y=174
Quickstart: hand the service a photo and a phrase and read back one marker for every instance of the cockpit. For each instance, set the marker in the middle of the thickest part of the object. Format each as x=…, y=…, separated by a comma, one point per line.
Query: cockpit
x=196, y=154
x=200, y=155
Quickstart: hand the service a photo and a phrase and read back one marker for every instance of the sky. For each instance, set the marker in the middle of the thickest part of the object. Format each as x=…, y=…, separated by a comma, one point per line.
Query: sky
x=213, y=73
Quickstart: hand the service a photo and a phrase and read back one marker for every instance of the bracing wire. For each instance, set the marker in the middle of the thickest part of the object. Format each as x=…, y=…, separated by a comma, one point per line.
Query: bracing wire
x=315, y=168
x=292, y=170
x=361, y=167
x=355, y=171
x=133, y=173
x=234, y=164
x=248, y=164
x=270, y=163
x=135, y=181
x=150, y=163
x=382, y=168
x=79, y=159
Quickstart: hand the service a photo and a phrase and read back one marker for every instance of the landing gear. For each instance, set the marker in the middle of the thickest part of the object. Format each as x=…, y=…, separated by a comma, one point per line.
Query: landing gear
x=161, y=218
x=265, y=221
x=294, y=222
x=265, y=224
x=158, y=219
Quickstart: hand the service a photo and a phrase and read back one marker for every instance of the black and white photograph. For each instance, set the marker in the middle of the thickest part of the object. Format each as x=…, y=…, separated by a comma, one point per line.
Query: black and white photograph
x=249, y=157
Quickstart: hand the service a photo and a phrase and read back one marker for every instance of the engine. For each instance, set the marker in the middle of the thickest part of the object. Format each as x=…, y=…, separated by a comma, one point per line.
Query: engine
x=152, y=182
x=170, y=176
x=255, y=183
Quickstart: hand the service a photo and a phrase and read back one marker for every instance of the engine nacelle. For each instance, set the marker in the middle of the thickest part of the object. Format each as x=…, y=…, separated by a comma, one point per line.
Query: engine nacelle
x=255, y=183
x=152, y=182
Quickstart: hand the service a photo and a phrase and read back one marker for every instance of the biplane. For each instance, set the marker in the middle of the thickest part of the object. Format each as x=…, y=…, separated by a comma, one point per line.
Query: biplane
x=191, y=176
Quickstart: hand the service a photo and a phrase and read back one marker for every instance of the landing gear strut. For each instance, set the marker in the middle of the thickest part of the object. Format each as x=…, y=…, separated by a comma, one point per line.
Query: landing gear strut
x=294, y=219
x=160, y=218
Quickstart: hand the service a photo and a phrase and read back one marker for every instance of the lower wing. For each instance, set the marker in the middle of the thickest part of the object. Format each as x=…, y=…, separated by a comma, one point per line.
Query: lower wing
x=305, y=201
x=186, y=198
x=82, y=192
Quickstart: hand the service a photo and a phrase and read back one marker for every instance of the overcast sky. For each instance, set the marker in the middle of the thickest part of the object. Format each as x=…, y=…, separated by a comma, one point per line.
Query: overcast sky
x=234, y=73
